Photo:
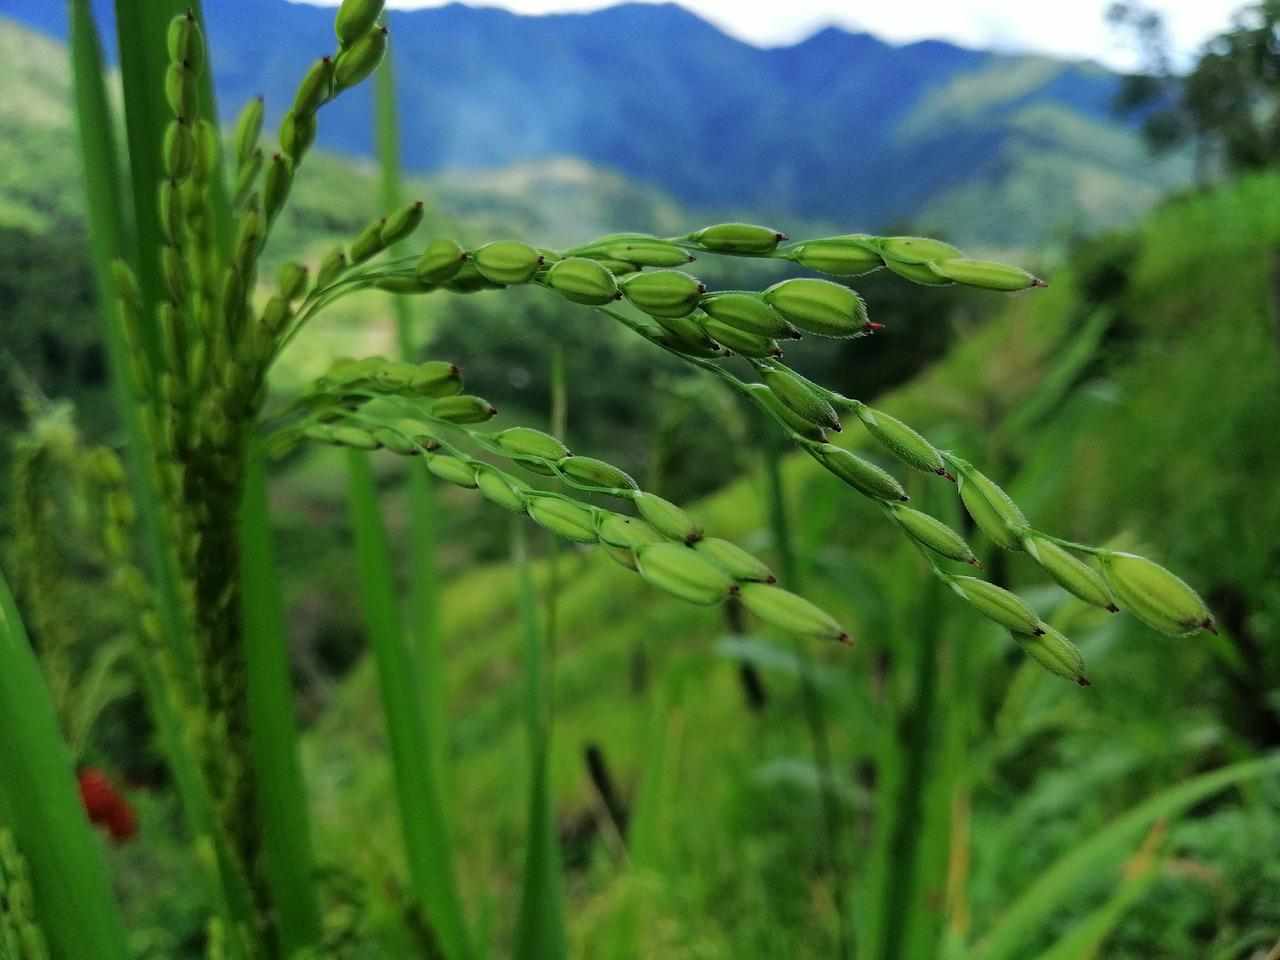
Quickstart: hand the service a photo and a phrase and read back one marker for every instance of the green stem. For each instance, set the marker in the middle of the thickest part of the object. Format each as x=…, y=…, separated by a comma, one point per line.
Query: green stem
x=540, y=933
x=427, y=848
x=481, y=440
x=558, y=422
x=1069, y=544
x=902, y=895
x=830, y=841
x=424, y=593
x=273, y=734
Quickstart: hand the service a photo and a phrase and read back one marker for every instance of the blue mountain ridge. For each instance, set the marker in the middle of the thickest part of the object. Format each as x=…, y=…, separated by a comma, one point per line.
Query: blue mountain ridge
x=828, y=128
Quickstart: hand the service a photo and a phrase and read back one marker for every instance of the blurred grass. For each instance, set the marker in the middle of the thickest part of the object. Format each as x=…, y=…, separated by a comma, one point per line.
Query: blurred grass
x=75, y=906
x=1197, y=389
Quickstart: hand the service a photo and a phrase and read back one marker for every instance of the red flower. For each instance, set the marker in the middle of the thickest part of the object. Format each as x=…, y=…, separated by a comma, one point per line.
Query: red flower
x=122, y=824
x=105, y=805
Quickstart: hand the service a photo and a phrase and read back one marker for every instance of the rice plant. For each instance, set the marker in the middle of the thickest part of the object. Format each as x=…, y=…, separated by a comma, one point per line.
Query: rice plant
x=194, y=332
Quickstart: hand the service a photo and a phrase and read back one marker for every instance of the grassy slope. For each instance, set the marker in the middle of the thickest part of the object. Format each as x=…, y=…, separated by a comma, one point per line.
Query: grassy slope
x=613, y=623
x=610, y=618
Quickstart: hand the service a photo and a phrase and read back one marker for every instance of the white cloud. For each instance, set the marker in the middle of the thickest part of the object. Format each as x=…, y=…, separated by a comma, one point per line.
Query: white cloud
x=1075, y=29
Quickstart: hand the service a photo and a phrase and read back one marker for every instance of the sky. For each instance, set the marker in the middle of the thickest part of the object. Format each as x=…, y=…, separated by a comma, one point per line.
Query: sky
x=1069, y=28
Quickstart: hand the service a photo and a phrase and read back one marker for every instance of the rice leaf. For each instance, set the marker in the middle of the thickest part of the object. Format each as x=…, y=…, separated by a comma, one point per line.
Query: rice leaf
x=40, y=801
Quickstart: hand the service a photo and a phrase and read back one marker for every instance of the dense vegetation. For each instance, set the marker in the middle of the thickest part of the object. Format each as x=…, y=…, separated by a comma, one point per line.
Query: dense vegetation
x=1137, y=394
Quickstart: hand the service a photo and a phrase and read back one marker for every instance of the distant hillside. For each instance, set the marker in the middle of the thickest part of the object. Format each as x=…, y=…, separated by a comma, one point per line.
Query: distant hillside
x=557, y=200
x=990, y=148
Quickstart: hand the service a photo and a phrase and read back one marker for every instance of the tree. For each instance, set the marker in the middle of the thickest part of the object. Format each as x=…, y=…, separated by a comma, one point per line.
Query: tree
x=1228, y=106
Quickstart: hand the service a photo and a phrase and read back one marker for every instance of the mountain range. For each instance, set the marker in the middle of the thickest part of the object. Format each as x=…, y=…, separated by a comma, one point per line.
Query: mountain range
x=988, y=148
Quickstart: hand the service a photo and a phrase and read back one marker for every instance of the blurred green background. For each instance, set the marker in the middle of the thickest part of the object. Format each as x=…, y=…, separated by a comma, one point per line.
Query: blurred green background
x=1135, y=402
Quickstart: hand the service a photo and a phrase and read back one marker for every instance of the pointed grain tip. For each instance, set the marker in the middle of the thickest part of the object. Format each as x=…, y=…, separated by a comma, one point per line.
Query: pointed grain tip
x=1209, y=625
x=1037, y=282
x=845, y=639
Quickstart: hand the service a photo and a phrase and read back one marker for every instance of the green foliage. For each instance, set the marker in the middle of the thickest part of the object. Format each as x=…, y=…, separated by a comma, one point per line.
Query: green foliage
x=920, y=737
x=1227, y=104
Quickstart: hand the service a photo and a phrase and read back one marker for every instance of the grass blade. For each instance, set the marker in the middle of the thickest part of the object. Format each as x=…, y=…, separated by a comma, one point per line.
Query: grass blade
x=94, y=125
x=1087, y=937
x=896, y=910
x=829, y=841
x=391, y=188
x=1019, y=923
x=40, y=801
x=107, y=242
x=427, y=846
x=424, y=616
x=282, y=801
x=540, y=931
x=144, y=55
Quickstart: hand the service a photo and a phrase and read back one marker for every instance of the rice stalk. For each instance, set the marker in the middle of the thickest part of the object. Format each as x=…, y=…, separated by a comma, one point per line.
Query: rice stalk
x=426, y=839
x=282, y=801
x=540, y=932
x=829, y=840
